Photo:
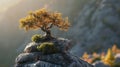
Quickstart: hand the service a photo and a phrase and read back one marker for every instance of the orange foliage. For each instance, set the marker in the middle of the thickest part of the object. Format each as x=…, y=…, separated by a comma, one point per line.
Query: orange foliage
x=85, y=55
x=44, y=20
x=114, y=49
x=109, y=58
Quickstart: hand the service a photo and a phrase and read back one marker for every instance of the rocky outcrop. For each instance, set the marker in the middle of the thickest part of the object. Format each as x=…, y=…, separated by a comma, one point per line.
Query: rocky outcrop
x=117, y=58
x=100, y=64
x=98, y=25
x=32, y=57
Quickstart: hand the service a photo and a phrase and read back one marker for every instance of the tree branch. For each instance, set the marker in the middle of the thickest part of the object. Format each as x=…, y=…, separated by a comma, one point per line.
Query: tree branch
x=42, y=28
x=50, y=26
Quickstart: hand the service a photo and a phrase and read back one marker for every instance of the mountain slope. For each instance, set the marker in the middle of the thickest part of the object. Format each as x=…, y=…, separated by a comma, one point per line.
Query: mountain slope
x=97, y=25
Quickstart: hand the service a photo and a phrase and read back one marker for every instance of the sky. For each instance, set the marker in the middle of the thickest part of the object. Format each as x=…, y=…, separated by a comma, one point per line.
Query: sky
x=5, y=4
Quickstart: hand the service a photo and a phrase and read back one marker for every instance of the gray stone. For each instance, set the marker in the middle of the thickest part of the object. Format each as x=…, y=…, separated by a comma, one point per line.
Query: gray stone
x=117, y=58
x=62, y=44
x=53, y=60
x=31, y=47
x=100, y=64
x=97, y=26
x=27, y=57
x=60, y=59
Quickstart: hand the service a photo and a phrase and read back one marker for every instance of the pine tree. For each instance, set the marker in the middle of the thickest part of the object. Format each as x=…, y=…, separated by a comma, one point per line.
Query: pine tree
x=109, y=59
x=44, y=20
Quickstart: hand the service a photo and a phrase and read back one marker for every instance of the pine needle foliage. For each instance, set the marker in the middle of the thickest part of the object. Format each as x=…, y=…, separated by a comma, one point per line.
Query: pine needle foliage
x=44, y=20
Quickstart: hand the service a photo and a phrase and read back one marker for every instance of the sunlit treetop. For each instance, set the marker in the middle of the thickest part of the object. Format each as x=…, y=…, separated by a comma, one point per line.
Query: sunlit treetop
x=44, y=20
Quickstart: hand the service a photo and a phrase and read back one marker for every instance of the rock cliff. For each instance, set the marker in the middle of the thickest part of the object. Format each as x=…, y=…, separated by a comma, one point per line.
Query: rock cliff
x=32, y=57
x=98, y=25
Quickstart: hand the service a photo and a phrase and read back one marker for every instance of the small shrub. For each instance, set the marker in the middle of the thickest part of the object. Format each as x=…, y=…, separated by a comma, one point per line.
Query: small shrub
x=37, y=38
x=47, y=48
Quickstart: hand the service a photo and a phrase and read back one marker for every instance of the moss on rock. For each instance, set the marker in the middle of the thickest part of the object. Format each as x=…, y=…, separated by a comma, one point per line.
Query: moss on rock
x=37, y=38
x=47, y=48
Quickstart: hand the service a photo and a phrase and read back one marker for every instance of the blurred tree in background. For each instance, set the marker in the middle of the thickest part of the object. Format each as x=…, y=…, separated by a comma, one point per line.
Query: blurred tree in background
x=109, y=59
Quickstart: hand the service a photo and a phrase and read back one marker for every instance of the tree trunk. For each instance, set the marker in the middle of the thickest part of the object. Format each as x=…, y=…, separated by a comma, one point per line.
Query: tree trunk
x=48, y=33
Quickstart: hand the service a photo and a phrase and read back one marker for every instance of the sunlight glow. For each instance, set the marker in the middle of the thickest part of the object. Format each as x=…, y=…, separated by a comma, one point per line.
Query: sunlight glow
x=4, y=4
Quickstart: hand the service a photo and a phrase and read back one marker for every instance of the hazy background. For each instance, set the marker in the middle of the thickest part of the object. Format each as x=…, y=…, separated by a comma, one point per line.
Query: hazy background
x=95, y=23
x=12, y=39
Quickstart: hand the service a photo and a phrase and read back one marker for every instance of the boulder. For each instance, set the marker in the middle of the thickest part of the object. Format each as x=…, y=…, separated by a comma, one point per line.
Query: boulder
x=61, y=44
x=117, y=58
x=100, y=64
x=33, y=58
x=31, y=47
x=53, y=60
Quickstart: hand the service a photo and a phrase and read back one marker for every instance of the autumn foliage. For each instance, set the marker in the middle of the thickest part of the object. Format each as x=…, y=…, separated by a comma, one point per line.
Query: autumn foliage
x=107, y=58
x=44, y=20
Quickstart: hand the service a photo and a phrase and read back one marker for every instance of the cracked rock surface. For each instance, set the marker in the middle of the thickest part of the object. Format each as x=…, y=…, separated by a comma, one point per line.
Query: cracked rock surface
x=31, y=57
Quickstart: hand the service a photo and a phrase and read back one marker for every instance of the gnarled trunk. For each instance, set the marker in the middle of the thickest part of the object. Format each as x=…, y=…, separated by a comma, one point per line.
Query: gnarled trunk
x=48, y=33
